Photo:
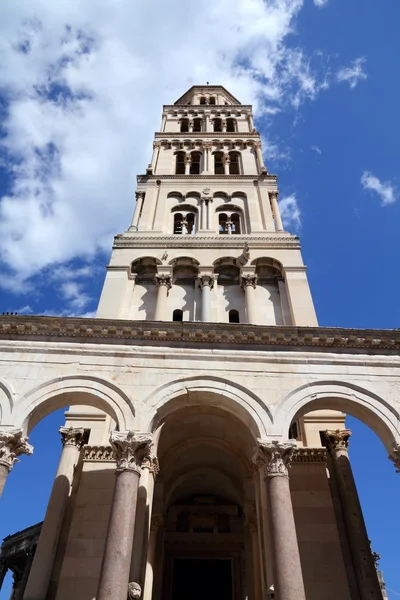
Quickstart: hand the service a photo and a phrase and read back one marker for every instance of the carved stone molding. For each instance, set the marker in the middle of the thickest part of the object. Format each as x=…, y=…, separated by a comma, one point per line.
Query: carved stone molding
x=309, y=455
x=395, y=457
x=73, y=436
x=13, y=443
x=338, y=439
x=134, y=591
x=99, y=453
x=143, y=178
x=274, y=457
x=130, y=449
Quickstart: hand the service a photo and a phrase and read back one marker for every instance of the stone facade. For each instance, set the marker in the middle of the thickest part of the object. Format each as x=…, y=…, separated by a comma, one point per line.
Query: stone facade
x=204, y=359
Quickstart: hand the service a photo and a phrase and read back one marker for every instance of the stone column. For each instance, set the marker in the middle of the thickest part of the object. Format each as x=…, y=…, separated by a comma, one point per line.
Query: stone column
x=251, y=123
x=39, y=577
x=13, y=443
x=259, y=155
x=249, y=282
x=226, y=163
x=156, y=522
x=164, y=121
x=207, y=149
x=191, y=126
x=130, y=450
x=274, y=458
x=207, y=202
x=207, y=121
x=202, y=213
x=138, y=210
x=163, y=286
x=156, y=148
x=251, y=524
x=206, y=282
x=188, y=161
x=144, y=506
x=223, y=125
x=365, y=571
x=273, y=198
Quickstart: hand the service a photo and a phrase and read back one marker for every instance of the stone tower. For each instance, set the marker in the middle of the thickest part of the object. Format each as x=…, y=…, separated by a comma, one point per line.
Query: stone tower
x=207, y=241
x=204, y=450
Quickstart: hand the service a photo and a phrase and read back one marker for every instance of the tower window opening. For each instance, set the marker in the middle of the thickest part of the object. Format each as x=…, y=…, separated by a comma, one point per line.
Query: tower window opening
x=212, y=100
x=218, y=125
x=196, y=125
x=177, y=315
x=195, y=163
x=218, y=164
x=184, y=125
x=234, y=163
x=235, y=227
x=202, y=100
x=190, y=223
x=223, y=223
x=178, y=219
x=231, y=125
x=234, y=316
x=180, y=163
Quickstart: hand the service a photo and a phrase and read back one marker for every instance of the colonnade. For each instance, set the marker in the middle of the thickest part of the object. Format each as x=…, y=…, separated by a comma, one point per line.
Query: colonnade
x=122, y=572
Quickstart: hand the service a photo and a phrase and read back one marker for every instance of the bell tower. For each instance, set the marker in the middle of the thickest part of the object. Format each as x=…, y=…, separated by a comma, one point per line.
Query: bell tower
x=207, y=242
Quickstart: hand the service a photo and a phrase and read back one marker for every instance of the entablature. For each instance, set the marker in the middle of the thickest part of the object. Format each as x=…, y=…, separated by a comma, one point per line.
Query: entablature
x=265, y=242
x=204, y=177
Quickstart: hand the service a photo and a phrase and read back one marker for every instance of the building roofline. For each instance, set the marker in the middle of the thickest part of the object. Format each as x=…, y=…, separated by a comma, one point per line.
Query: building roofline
x=207, y=88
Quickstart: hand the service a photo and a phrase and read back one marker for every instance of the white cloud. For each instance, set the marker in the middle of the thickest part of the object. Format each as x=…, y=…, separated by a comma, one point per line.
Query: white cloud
x=316, y=149
x=84, y=83
x=290, y=212
x=320, y=3
x=385, y=190
x=353, y=74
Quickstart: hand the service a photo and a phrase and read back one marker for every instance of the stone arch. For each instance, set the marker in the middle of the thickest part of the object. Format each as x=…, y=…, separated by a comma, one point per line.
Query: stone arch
x=6, y=401
x=227, y=395
x=74, y=390
x=349, y=398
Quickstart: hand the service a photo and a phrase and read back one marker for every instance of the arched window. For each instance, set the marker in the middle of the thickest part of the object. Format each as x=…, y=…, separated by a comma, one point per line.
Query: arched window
x=234, y=316
x=190, y=223
x=195, y=163
x=202, y=100
x=235, y=220
x=196, y=125
x=178, y=223
x=218, y=163
x=180, y=163
x=177, y=315
x=230, y=125
x=234, y=163
x=211, y=100
x=184, y=125
x=222, y=223
x=218, y=125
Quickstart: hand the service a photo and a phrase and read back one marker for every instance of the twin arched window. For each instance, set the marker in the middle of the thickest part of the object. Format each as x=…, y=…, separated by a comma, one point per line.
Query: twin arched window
x=229, y=224
x=234, y=163
x=180, y=164
x=184, y=223
x=230, y=125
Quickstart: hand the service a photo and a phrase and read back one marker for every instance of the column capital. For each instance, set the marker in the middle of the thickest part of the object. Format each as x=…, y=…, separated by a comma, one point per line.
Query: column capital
x=338, y=439
x=73, y=436
x=156, y=522
x=274, y=457
x=206, y=279
x=248, y=279
x=273, y=195
x=156, y=145
x=13, y=443
x=130, y=449
x=134, y=590
x=395, y=457
x=162, y=279
x=151, y=463
x=139, y=195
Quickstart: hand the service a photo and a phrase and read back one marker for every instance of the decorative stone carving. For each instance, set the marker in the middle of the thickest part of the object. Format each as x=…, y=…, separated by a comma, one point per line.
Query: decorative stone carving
x=309, y=455
x=71, y=436
x=156, y=145
x=156, y=522
x=395, y=457
x=98, y=453
x=273, y=196
x=249, y=279
x=139, y=196
x=338, y=439
x=134, y=590
x=131, y=449
x=163, y=279
x=151, y=463
x=274, y=457
x=13, y=443
x=206, y=279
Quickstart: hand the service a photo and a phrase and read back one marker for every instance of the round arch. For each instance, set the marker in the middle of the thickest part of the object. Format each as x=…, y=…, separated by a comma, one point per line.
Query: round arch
x=351, y=399
x=210, y=391
x=6, y=401
x=74, y=390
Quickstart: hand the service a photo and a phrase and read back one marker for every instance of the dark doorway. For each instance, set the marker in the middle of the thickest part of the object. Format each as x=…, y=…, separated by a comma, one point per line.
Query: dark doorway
x=198, y=579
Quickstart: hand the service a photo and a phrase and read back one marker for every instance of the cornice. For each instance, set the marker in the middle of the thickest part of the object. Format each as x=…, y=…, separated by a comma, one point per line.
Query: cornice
x=309, y=455
x=143, y=178
x=206, y=134
x=136, y=240
x=214, y=107
x=123, y=332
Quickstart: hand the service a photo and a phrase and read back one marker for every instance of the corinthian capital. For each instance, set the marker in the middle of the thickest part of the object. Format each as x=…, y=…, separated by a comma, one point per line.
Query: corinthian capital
x=274, y=457
x=151, y=463
x=163, y=279
x=12, y=444
x=73, y=436
x=249, y=279
x=131, y=449
x=338, y=439
x=395, y=457
x=273, y=195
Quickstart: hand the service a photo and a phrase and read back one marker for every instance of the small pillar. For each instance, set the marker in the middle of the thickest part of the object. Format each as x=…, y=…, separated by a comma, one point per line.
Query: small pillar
x=13, y=443
x=249, y=283
x=226, y=163
x=273, y=198
x=274, y=458
x=138, y=210
x=163, y=286
x=260, y=160
x=130, y=449
x=206, y=282
x=156, y=522
x=188, y=161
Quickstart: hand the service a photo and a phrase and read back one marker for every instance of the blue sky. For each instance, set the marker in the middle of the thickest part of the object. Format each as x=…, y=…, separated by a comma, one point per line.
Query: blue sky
x=81, y=90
